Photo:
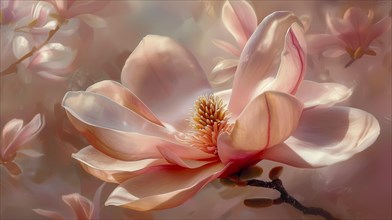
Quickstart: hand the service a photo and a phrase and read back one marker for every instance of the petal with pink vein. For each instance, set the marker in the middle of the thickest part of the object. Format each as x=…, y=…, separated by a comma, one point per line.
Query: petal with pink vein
x=266, y=121
x=260, y=58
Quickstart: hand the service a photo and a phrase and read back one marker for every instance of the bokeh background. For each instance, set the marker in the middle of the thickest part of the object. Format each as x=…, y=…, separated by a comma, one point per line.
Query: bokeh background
x=359, y=188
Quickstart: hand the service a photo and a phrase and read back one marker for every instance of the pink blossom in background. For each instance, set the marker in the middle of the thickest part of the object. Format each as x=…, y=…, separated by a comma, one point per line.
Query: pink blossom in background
x=352, y=35
x=14, y=136
x=149, y=104
x=136, y=139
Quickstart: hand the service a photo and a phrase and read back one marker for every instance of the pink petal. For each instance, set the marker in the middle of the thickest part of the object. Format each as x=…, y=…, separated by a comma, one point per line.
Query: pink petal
x=119, y=132
x=112, y=170
x=318, y=43
x=223, y=71
x=326, y=136
x=259, y=58
x=338, y=26
x=174, y=158
x=378, y=29
x=23, y=135
x=357, y=17
x=166, y=77
x=49, y=214
x=85, y=7
x=240, y=20
x=21, y=46
x=267, y=120
x=293, y=63
x=53, y=57
x=9, y=133
x=314, y=94
x=174, y=188
x=122, y=96
x=81, y=206
x=226, y=46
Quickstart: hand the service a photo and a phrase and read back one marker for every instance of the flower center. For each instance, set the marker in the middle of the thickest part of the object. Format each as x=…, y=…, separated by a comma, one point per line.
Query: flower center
x=209, y=118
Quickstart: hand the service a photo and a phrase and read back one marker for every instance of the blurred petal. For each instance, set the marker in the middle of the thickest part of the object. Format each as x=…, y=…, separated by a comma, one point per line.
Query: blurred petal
x=112, y=170
x=53, y=57
x=81, y=206
x=259, y=58
x=326, y=136
x=9, y=133
x=337, y=25
x=12, y=167
x=357, y=17
x=293, y=63
x=20, y=46
x=318, y=43
x=223, y=71
x=85, y=7
x=267, y=120
x=122, y=96
x=166, y=77
x=175, y=187
x=49, y=214
x=226, y=46
x=240, y=20
x=119, y=132
x=314, y=94
x=30, y=153
x=379, y=28
x=24, y=135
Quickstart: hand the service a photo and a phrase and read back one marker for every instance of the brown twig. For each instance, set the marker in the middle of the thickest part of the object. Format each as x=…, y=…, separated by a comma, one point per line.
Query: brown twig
x=13, y=67
x=285, y=197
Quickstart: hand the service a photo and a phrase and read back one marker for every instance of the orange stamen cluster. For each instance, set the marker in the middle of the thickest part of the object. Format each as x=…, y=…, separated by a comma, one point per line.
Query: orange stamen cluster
x=209, y=119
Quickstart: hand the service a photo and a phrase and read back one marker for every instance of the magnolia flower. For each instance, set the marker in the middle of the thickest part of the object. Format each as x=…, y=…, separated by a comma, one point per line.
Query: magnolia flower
x=240, y=19
x=143, y=138
x=352, y=35
x=14, y=136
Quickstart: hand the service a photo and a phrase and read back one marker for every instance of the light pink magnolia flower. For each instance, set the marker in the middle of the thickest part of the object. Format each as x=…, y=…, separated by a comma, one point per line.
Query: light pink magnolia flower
x=240, y=19
x=354, y=35
x=14, y=136
x=69, y=22
x=82, y=207
x=144, y=139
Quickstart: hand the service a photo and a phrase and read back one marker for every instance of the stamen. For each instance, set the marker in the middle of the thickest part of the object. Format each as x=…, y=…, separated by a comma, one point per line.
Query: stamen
x=209, y=119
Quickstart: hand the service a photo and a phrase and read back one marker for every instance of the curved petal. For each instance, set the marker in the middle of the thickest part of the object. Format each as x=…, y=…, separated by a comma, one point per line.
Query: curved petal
x=119, y=132
x=266, y=121
x=240, y=20
x=326, y=136
x=314, y=94
x=293, y=63
x=84, y=7
x=175, y=187
x=122, y=96
x=20, y=46
x=259, y=58
x=226, y=46
x=166, y=77
x=24, y=135
x=318, y=43
x=81, y=206
x=337, y=26
x=9, y=133
x=357, y=17
x=53, y=57
x=223, y=71
x=112, y=170
x=378, y=29
x=49, y=214
x=174, y=158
